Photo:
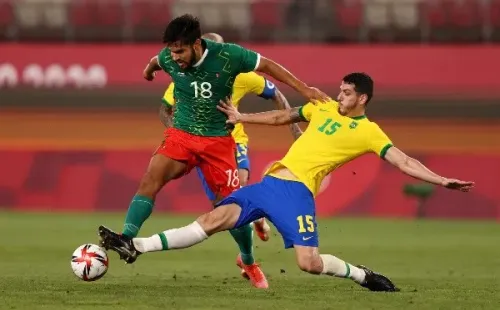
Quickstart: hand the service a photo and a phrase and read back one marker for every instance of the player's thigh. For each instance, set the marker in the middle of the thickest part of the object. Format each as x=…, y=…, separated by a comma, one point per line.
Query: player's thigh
x=173, y=156
x=251, y=200
x=293, y=214
x=218, y=164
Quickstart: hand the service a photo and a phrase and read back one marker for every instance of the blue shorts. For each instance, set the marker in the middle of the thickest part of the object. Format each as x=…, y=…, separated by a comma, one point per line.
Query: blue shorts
x=242, y=160
x=289, y=205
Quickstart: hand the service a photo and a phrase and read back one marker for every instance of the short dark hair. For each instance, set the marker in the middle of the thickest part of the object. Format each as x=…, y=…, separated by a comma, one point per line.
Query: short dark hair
x=185, y=28
x=363, y=83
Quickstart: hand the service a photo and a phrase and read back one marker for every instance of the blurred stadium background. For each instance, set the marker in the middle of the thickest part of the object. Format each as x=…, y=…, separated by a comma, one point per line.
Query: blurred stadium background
x=78, y=123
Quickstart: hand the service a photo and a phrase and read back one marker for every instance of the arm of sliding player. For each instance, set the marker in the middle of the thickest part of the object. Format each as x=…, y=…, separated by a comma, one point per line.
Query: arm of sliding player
x=381, y=144
x=273, y=118
x=266, y=89
x=282, y=104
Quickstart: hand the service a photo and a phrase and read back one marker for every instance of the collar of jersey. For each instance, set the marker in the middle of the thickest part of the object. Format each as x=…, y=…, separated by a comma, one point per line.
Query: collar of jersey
x=357, y=118
x=205, y=53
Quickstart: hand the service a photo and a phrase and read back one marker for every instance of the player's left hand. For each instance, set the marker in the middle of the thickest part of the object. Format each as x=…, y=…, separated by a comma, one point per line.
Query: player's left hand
x=227, y=107
x=463, y=186
x=314, y=95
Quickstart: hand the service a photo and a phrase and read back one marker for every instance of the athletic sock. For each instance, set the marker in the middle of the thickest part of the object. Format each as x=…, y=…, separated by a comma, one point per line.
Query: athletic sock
x=177, y=238
x=244, y=237
x=334, y=266
x=138, y=212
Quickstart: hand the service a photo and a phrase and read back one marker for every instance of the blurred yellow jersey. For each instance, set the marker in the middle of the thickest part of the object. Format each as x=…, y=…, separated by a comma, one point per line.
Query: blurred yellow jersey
x=244, y=84
x=329, y=141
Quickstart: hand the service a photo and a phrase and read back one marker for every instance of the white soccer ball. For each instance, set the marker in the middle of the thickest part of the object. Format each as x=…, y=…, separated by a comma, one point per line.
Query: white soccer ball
x=89, y=262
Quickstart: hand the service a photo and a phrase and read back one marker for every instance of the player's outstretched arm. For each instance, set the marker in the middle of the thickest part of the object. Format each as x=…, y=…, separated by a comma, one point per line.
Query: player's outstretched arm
x=416, y=169
x=277, y=71
x=282, y=104
x=275, y=118
x=151, y=68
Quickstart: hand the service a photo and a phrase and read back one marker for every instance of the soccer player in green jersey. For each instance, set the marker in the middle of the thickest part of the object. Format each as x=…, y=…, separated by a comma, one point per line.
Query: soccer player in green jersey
x=203, y=72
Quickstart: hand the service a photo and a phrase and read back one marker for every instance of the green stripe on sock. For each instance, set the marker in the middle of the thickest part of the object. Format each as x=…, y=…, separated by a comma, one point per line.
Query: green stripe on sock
x=348, y=270
x=164, y=242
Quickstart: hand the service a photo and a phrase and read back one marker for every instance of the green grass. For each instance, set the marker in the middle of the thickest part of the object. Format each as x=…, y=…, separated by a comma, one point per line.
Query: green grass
x=438, y=265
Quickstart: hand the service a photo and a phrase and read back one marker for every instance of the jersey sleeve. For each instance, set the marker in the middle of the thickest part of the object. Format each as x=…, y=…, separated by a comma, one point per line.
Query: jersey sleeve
x=379, y=143
x=258, y=85
x=168, y=97
x=163, y=58
x=306, y=111
x=246, y=60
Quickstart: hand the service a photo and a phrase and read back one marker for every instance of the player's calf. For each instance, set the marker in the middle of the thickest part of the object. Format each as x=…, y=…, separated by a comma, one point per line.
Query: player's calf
x=309, y=260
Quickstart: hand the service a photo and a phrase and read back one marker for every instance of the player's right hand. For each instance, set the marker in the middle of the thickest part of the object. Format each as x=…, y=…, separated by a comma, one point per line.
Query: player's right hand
x=315, y=95
x=463, y=186
x=149, y=75
x=227, y=107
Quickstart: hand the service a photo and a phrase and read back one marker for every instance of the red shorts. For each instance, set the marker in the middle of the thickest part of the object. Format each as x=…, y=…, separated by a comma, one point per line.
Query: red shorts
x=215, y=156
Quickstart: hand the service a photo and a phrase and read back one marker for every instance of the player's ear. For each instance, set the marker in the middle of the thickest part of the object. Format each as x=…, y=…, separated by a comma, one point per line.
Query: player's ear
x=363, y=99
x=197, y=42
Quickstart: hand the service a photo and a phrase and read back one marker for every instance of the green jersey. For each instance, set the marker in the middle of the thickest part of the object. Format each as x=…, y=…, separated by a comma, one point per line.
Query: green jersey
x=199, y=89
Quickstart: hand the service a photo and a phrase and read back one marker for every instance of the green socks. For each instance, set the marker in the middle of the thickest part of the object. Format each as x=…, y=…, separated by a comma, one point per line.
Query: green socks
x=244, y=237
x=138, y=212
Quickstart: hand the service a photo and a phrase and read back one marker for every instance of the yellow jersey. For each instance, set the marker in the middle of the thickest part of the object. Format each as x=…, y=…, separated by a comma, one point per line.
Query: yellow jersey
x=329, y=141
x=244, y=84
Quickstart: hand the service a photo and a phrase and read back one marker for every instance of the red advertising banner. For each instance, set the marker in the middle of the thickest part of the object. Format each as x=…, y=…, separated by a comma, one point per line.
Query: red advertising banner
x=436, y=69
x=105, y=180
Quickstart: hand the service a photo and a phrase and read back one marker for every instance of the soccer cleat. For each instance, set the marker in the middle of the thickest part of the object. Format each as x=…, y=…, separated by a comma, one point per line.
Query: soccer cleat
x=262, y=229
x=252, y=273
x=377, y=282
x=118, y=243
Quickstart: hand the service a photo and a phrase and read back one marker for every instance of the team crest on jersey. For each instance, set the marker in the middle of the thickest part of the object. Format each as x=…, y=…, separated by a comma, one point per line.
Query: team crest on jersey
x=353, y=125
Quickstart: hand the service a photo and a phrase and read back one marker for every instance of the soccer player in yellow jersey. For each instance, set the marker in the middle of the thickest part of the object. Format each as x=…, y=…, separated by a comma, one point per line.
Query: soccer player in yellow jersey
x=245, y=83
x=338, y=132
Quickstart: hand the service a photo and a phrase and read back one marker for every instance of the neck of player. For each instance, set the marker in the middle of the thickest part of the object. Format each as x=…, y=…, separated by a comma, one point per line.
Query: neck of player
x=356, y=112
x=199, y=50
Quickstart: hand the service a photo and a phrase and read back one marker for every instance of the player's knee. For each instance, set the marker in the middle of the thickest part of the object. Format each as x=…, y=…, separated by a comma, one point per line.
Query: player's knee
x=243, y=176
x=220, y=219
x=211, y=222
x=150, y=185
x=243, y=182
x=310, y=263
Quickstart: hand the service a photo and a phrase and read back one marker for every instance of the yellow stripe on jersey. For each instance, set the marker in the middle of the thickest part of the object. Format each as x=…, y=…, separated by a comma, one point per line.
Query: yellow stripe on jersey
x=244, y=84
x=329, y=141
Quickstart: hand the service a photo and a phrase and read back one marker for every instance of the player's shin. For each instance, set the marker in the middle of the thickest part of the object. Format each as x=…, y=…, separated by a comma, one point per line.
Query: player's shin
x=139, y=210
x=334, y=266
x=177, y=238
x=244, y=237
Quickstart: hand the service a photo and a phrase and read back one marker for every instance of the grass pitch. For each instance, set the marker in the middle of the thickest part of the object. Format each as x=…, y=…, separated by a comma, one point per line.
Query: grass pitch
x=438, y=265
